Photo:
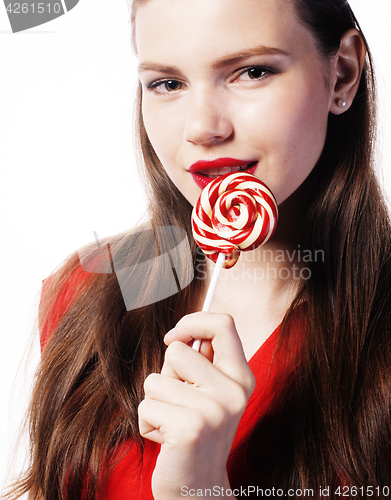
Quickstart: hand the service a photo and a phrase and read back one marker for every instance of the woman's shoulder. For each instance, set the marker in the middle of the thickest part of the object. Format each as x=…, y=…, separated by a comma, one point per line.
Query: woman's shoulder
x=59, y=290
x=143, y=266
x=76, y=274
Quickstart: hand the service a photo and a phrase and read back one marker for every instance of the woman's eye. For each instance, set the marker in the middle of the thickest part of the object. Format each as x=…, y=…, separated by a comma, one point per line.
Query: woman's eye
x=254, y=73
x=166, y=86
x=171, y=85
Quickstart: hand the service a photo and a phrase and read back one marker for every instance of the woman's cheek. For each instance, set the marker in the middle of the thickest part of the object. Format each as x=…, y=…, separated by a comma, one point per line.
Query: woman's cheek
x=162, y=125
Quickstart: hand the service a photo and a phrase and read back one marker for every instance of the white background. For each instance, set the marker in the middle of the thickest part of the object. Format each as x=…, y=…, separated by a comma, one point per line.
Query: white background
x=66, y=160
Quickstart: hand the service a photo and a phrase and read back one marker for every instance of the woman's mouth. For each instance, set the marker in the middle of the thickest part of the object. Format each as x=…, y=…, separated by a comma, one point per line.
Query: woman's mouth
x=204, y=172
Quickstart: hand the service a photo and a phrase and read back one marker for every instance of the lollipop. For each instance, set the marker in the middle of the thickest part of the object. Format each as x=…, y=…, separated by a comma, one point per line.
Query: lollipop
x=235, y=212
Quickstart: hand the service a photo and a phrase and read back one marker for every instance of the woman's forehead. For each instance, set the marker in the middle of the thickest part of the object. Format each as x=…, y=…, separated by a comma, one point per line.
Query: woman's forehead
x=222, y=25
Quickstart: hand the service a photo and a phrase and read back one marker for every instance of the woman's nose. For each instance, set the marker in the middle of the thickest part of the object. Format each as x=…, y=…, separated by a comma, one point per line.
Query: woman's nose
x=207, y=120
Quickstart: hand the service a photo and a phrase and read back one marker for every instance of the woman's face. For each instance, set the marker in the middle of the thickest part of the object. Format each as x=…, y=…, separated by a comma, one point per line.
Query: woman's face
x=237, y=82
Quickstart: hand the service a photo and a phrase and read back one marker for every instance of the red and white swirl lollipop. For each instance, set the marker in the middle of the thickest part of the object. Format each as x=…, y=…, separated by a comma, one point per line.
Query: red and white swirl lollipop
x=234, y=212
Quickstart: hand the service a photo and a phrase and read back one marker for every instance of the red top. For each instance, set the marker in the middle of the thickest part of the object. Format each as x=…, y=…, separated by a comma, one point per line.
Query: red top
x=129, y=480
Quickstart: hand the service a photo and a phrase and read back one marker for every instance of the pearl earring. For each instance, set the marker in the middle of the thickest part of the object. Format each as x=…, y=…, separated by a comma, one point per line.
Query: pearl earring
x=341, y=103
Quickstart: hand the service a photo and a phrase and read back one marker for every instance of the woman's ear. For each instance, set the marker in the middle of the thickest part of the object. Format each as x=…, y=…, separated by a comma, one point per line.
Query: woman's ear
x=347, y=68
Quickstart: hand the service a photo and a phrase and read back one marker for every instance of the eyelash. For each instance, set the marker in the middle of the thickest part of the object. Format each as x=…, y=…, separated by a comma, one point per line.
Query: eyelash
x=264, y=69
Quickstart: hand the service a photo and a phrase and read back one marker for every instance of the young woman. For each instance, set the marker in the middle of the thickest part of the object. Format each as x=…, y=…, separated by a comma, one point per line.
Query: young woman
x=290, y=394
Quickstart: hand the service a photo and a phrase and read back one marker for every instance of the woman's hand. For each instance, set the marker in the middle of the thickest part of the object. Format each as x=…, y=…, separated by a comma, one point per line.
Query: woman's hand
x=196, y=421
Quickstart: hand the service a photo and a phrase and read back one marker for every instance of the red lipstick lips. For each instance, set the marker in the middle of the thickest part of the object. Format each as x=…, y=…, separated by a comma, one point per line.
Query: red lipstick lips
x=202, y=170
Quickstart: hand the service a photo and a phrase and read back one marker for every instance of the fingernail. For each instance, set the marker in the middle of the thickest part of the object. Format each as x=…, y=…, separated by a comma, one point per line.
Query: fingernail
x=168, y=333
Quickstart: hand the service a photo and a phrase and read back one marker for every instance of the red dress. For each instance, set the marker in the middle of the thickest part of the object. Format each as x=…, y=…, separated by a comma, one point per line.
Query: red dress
x=129, y=480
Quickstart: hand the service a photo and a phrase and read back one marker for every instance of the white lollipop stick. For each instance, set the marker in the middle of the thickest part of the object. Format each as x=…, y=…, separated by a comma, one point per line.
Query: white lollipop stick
x=210, y=292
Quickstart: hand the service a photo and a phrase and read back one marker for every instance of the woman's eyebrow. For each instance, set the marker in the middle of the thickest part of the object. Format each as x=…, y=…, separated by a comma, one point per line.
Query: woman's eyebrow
x=246, y=54
x=160, y=68
x=219, y=63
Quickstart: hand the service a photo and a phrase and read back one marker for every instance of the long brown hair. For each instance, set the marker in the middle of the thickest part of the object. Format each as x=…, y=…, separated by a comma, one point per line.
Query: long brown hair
x=90, y=379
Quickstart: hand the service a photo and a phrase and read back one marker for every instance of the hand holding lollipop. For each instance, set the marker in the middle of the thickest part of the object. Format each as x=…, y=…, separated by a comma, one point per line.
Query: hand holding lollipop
x=234, y=212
